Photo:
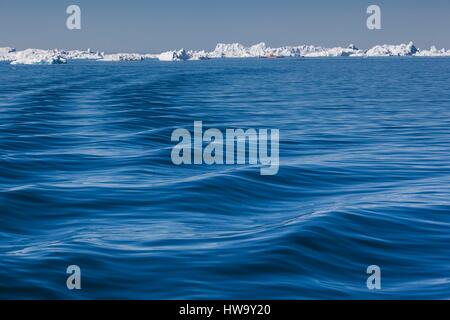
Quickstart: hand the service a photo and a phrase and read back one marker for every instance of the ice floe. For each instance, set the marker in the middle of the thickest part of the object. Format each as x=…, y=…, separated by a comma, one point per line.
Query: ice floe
x=222, y=50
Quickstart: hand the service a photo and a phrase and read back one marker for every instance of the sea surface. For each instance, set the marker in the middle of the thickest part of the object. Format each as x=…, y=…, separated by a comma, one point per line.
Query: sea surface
x=86, y=179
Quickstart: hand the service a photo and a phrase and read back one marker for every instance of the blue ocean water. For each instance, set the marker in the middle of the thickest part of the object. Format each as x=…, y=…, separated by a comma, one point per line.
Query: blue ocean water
x=86, y=179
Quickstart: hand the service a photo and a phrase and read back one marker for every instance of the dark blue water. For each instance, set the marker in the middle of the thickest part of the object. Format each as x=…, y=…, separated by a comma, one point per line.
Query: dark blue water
x=86, y=179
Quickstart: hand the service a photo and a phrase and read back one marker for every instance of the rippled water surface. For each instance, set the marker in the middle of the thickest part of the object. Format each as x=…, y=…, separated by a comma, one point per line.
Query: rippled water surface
x=86, y=178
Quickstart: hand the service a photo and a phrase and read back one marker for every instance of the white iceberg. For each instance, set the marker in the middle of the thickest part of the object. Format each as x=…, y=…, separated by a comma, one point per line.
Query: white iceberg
x=5, y=50
x=234, y=50
x=122, y=57
x=237, y=50
x=36, y=56
x=151, y=56
x=261, y=50
x=392, y=50
x=7, y=54
x=222, y=50
x=314, y=52
x=179, y=55
x=198, y=55
x=433, y=52
x=83, y=55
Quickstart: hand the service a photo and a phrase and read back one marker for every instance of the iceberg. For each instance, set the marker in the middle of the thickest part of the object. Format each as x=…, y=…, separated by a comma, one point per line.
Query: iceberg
x=150, y=56
x=5, y=50
x=314, y=52
x=7, y=53
x=433, y=52
x=179, y=55
x=122, y=57
x=222, y=50
x=198, y=55
x=83, y=55
x=261, y=50
x=36, y=56
x=401, y=50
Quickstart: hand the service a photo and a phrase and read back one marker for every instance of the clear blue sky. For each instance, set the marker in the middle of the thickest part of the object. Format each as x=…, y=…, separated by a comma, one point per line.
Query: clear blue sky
x=150, y=26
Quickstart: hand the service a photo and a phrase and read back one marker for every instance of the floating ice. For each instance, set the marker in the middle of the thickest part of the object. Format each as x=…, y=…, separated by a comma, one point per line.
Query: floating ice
x=6, y=53
x=151, y=56
x=36, y=56
x=234, y=50
x=392, y=50
x=7, y=50
x=83, y=55
x=433, y=52
x=260, y=50
x=312, y=52
x=174, y=55
x=222, y=50
x=198, y=55
x=123, y=57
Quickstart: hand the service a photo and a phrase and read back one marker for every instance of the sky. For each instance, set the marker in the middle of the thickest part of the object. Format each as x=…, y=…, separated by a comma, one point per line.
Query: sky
x=158, y=25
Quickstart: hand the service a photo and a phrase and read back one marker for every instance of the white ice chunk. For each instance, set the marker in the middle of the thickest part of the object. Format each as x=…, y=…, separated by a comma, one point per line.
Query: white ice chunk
x=234, y=50
x=36, y=56
x=83, y=55
x=179, y=55
x=433, y=52
x=7, y=54
x=392, y=50
x=5, y=50
x=222, y=50
x=151, y=56
x=123, y=57
x=198, y=55
x=261, y=50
